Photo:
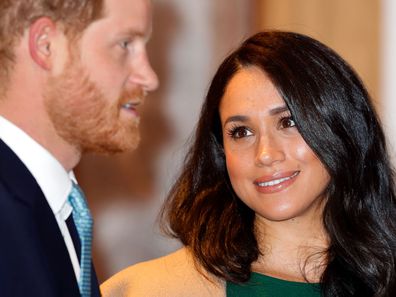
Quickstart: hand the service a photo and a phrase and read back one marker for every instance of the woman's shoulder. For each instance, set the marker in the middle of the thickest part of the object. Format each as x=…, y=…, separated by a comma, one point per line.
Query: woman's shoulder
x=172, y=275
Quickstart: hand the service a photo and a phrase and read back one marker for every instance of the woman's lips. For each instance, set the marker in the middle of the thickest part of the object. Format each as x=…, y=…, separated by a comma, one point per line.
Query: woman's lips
x=276, y=182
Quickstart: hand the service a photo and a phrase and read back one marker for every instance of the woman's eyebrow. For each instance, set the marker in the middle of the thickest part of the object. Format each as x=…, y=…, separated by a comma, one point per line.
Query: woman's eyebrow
x=236, y=118
x=278, y=110
x=242, y=118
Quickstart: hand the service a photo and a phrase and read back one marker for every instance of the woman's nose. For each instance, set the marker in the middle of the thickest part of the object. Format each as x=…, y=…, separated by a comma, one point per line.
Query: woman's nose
x=269, y=151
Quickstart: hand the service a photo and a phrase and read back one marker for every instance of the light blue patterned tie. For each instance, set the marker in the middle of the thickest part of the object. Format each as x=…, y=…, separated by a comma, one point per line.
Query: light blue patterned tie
x=83, y=221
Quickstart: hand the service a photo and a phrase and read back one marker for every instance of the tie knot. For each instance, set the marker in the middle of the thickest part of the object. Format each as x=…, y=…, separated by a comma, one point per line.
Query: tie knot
x=80, y=207
x=77, y=199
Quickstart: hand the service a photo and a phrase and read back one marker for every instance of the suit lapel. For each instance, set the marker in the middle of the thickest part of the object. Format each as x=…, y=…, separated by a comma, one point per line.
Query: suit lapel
x=45, y=231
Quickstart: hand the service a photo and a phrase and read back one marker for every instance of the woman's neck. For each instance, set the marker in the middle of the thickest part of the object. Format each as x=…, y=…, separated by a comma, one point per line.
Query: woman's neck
x=293, y=250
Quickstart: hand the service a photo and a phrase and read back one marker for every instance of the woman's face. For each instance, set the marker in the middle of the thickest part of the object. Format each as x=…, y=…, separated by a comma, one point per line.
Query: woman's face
x=270, y=166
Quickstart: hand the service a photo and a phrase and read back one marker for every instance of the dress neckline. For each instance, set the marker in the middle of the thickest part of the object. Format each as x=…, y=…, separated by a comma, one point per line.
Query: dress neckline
x=256, y=276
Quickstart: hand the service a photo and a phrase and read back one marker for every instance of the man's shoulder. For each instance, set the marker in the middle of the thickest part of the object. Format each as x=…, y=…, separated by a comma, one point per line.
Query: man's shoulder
x=172, y=275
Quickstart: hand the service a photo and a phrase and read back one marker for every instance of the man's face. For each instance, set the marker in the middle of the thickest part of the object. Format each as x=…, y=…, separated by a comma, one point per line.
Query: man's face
x=94, y=103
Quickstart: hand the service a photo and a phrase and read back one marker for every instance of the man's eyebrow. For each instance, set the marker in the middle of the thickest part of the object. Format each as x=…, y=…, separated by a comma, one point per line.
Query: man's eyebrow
x=136, y=33
x=132, y=32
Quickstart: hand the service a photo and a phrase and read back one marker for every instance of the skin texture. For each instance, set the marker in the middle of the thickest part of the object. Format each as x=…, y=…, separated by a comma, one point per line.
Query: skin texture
x=263, y=145
x=83, y=94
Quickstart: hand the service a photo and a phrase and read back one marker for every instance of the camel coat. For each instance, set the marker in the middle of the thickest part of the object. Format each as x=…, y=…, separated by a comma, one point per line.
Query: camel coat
x=174, y=275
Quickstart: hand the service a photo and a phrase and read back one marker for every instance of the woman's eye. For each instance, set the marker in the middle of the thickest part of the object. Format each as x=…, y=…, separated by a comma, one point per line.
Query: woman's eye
x=239, y=132
x=287, y=122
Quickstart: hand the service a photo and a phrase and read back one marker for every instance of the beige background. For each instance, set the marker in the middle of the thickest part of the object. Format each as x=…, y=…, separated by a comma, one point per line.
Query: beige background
x=351, y=27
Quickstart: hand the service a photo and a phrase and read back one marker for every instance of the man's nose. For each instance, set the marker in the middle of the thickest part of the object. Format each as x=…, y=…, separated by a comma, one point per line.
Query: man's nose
x=144, y=75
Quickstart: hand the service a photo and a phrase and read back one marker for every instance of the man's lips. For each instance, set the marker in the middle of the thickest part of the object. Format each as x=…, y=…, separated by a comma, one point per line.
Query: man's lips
x=131, y=107
x=276, y=182
x=130, y=101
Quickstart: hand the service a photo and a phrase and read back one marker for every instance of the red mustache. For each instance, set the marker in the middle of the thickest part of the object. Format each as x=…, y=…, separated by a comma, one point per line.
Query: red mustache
x=136, y=96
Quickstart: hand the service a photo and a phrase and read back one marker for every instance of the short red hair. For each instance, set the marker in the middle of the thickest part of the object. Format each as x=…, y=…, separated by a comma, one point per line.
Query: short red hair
x=17, y=15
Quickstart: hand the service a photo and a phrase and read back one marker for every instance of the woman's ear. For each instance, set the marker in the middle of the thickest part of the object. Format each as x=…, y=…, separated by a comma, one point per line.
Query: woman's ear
x=41, y=37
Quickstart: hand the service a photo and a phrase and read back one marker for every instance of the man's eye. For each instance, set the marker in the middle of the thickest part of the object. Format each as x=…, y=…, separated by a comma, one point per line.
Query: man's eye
x=287, y=122
x=239, y=132
x=124, y=44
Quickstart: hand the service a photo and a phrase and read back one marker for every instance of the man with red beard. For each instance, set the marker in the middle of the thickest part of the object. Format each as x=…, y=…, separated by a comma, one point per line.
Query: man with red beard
x=73, y=75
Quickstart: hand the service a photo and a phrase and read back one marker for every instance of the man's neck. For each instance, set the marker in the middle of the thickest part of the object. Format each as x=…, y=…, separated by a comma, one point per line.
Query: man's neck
x=43, y=133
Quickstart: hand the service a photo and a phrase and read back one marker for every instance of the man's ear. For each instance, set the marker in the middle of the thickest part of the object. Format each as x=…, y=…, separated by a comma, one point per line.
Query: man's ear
x=41, y=37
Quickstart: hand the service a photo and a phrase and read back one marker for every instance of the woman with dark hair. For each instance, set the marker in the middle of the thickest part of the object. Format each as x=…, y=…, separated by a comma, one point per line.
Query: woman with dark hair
x=288, y=188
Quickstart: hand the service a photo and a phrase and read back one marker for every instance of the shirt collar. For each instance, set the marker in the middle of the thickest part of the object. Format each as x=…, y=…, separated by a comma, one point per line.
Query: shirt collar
x=51, y=176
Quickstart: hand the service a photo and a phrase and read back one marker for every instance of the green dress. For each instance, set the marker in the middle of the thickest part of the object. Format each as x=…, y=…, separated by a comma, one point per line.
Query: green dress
x=261, y=285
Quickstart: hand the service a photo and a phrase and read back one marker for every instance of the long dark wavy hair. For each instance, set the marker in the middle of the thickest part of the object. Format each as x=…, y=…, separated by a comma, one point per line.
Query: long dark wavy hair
x=334, y=115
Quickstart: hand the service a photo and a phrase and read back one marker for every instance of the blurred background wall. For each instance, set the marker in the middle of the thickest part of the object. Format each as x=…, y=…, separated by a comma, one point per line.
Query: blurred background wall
x=190, y=39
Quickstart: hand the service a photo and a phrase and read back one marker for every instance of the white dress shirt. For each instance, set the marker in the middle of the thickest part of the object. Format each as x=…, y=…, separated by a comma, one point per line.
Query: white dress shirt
x=51, y=176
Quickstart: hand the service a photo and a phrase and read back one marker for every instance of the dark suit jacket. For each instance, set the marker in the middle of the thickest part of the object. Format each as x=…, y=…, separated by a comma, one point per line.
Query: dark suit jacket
x=34, y=260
